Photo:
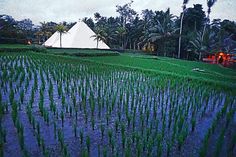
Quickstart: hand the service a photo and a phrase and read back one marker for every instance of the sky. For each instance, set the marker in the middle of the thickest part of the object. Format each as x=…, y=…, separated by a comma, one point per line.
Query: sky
x=73, y=10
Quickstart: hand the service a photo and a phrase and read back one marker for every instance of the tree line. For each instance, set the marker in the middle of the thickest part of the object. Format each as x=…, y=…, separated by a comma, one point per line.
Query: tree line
x=191, y=35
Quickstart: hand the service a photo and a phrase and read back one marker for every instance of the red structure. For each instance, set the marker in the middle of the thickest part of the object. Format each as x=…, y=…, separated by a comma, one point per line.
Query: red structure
x=219, y=58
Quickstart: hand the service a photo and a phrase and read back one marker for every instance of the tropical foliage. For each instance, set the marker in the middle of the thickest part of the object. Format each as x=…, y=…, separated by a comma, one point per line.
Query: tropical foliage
x=62, y=30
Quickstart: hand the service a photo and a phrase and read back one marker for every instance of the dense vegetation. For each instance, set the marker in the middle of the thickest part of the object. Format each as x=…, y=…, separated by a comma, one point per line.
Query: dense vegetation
x=64, y=106
x=191, y=35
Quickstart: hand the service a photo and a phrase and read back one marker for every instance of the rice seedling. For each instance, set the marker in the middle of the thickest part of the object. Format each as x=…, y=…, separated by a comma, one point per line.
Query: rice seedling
x=62, y=118
x=71, y=111
x=61, y=138
x=88, y=143
x=169, y=145
x=123, y=136
x=11, y=96
x=139, y=150
x=193, y=123
x=81, y=135
x=231, y=146
x=22, y=94
x=109, y=135
x=219, y=143
x=128, y=149
x=75, y=129
x=14, y=112
x=104, y=152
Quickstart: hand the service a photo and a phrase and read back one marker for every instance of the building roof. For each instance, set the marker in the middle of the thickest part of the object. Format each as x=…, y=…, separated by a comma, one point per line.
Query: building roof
x=79, y=36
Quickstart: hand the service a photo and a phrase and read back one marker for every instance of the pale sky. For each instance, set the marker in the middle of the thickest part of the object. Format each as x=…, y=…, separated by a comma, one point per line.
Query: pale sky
x=73, y=10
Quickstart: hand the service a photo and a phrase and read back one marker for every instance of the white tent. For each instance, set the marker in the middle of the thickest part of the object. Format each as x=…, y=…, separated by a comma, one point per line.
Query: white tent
x=79, y=36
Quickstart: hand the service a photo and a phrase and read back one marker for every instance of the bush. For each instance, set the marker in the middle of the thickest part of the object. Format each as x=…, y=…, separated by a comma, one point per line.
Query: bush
x=39, y=48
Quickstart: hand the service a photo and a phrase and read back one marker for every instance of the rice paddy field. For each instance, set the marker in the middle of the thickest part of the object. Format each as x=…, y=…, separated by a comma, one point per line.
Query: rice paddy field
x=132, y=106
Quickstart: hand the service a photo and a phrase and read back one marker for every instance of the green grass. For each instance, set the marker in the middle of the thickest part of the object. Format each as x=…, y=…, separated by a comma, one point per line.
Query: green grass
x=15, y=46
x=73, y=51
x=214, y=73
x=57, y=51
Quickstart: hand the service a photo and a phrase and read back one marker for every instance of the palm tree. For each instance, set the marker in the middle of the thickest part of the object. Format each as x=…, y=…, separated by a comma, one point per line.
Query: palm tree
x=144, y=39
x=100, y=35
x=38, y=35
x=109, y=35
x=44, y=30
x=163, y=30
x=61, y=29
x=121, y=31
x=181, y=25
x=210, y=4
x=198, y=44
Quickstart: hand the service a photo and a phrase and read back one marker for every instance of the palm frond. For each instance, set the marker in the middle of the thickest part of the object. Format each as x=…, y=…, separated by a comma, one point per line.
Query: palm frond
x=185, y=2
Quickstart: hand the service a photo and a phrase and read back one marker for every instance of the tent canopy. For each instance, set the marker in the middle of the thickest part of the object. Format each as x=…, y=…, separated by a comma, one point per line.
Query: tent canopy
x=79, y=36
